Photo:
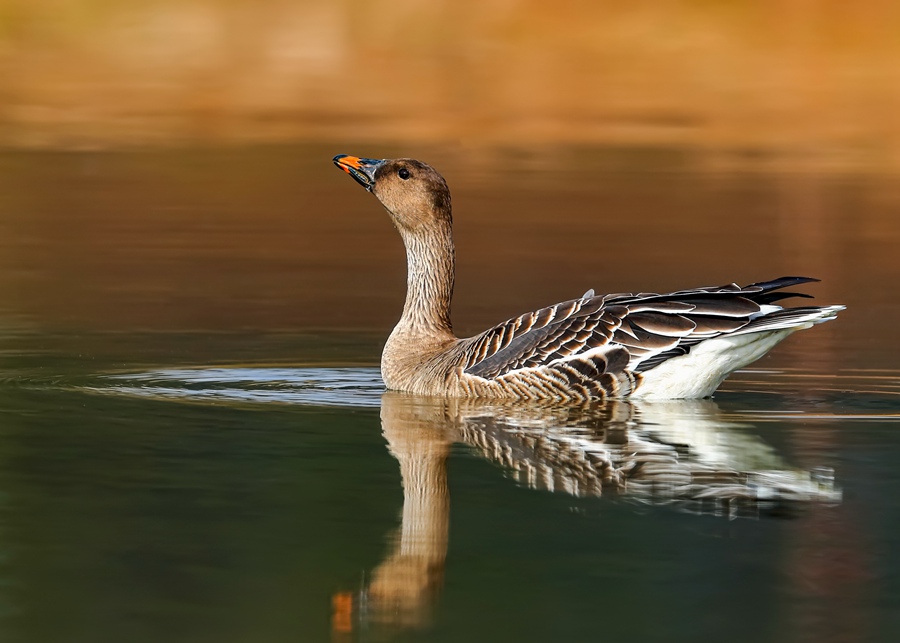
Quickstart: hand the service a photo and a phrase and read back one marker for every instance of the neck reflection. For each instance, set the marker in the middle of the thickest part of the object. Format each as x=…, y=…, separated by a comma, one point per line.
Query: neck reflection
x=683, y=453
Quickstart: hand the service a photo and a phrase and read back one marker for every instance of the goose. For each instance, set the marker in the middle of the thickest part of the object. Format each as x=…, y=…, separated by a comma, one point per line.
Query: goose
x=646, y=345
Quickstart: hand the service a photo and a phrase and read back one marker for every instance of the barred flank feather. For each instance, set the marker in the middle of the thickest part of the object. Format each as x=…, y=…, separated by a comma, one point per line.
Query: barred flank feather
x=649, y=328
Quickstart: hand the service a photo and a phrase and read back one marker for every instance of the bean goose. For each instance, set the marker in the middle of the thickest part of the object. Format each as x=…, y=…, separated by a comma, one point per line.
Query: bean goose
x=647, y=345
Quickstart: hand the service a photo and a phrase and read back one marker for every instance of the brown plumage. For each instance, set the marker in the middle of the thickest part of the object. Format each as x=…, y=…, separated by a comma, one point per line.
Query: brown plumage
x=680, y=344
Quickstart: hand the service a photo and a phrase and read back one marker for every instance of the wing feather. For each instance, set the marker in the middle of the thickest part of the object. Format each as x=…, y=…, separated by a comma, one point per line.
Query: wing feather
x=597, y=338
x=660, y=323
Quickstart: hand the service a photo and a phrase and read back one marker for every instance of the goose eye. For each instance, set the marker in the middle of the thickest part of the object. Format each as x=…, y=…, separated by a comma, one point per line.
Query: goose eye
x=403, y=173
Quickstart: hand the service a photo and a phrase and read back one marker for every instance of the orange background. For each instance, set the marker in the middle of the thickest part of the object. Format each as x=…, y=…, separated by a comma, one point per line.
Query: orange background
x=791, y=83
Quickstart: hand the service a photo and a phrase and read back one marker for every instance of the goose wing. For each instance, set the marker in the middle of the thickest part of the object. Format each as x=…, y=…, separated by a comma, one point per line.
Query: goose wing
x=629, y=332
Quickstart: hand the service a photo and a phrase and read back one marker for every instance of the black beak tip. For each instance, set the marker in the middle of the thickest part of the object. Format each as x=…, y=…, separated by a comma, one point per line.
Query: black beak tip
x=360, y=169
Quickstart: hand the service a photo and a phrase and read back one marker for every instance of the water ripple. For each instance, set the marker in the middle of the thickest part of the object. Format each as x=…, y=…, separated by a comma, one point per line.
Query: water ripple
x=846, y=395
x=343, y=386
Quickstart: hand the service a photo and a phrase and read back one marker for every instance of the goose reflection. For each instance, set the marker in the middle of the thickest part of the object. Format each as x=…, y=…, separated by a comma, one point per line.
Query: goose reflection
x=683, y=453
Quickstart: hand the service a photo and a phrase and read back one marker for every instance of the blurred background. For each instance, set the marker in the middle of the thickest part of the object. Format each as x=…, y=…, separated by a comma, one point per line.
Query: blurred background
x=795, y=78
x=807, y=82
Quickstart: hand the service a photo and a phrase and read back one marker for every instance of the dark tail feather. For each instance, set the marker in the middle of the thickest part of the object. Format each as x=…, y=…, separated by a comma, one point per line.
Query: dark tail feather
x=782, y=282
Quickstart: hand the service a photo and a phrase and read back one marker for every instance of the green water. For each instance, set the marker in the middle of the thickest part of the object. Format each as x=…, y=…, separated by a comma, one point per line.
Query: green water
x=186, y=455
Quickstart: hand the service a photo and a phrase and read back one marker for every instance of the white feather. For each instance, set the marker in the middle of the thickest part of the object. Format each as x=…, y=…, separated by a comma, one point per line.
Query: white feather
x=705, y=367
x=699, y=373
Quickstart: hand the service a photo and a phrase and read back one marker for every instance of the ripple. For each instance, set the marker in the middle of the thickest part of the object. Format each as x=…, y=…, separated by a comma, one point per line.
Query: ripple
x=846, y=395
x=855, y=381
x=867, y=395
x=340, y=386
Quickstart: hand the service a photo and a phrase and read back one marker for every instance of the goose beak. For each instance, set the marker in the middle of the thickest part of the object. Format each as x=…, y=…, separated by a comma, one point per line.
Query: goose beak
x=362, y=170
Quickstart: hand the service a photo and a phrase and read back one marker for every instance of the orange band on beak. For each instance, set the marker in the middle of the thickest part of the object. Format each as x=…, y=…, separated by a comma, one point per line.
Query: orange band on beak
x=361, y=169
x=349, y=161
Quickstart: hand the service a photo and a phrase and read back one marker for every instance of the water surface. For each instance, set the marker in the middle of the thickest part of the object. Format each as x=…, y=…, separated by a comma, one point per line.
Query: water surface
x=196, y=444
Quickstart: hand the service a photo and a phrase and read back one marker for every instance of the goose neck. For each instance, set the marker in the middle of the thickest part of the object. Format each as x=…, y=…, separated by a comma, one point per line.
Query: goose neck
x=430, y=258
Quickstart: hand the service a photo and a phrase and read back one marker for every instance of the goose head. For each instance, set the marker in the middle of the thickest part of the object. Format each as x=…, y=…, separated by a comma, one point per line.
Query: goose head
x=413, y=192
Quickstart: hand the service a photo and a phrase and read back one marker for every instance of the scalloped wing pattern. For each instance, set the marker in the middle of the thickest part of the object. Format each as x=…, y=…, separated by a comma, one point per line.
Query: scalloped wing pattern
x=602, y=344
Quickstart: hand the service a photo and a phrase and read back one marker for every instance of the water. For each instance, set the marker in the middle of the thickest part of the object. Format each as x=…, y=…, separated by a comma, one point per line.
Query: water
x=196, y=444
